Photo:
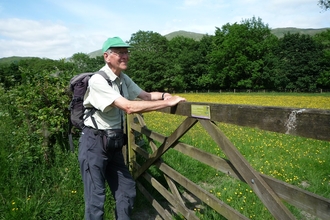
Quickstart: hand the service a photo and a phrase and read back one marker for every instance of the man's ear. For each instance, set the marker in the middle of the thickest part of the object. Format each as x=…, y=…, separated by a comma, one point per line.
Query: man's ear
x=106, y=57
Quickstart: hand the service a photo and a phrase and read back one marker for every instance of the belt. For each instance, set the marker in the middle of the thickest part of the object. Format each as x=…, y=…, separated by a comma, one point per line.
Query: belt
x=105, y=132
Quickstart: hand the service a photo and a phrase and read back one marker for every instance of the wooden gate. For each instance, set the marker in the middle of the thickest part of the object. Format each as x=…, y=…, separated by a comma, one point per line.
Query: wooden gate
x=311, y=123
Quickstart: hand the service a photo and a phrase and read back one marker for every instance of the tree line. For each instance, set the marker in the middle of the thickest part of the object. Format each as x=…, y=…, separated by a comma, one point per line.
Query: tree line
x=241, y=56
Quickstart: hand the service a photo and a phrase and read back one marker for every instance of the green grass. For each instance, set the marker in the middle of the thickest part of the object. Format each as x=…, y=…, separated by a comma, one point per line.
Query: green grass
x=36, y=191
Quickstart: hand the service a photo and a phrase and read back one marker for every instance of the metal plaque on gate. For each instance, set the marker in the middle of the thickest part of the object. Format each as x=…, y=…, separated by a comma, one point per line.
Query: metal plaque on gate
x=200, y=111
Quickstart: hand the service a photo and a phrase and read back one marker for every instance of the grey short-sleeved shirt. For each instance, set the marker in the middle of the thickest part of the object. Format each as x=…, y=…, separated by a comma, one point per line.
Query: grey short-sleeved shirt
x=100, y=95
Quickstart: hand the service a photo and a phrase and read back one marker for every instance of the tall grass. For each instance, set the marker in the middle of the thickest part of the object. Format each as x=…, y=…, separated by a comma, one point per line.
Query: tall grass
x=36, y=191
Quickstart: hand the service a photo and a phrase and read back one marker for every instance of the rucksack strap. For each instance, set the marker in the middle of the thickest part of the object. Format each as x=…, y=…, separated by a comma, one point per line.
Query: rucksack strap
x=121, y=111
x=70, y=133
x=90, y=113
x=105, y=76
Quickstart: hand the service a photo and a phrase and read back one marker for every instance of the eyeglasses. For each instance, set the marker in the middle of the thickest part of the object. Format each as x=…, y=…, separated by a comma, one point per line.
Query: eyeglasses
x=120, y=53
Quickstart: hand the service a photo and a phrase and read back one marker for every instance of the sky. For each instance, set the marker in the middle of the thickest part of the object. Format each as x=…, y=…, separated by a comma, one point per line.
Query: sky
x=57, y=29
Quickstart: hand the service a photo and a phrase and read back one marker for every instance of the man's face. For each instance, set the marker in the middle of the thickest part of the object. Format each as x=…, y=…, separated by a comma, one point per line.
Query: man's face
x=117, y=59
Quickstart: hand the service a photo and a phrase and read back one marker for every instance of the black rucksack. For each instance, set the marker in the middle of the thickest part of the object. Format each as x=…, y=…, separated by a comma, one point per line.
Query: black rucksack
x=78, y=86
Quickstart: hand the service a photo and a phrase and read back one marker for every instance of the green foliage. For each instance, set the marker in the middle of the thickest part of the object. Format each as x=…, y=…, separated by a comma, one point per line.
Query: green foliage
x=9, y=75
x=299, y=61
x=324, y=4
x=204, y=79
x=37, y=108
x=17, y=72
x=149, y=60
x=182, y=53
x=175, y=65
x=30, y=190
x=84, y=63
x=39, y=178
x=323, y=38
x=238, y=56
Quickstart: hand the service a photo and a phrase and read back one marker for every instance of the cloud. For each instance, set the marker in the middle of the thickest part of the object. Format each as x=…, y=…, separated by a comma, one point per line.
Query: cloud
x=29, y=29
x=21, y=37
x=69, y=27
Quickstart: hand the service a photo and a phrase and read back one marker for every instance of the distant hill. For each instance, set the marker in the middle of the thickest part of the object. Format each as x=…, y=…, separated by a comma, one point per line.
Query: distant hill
x=12, y=59
x=195, y=36
x=95, y=53
x=279, y=32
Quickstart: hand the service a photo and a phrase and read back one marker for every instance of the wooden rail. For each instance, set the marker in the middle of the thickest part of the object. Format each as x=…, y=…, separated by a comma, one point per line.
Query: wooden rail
x=310, y=123
x=269, y=190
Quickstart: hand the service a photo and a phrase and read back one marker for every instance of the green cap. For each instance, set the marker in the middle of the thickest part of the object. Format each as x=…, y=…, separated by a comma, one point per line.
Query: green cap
x=114, y=42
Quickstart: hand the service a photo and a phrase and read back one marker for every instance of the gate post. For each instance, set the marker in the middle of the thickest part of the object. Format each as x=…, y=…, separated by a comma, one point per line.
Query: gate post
x=131, y=140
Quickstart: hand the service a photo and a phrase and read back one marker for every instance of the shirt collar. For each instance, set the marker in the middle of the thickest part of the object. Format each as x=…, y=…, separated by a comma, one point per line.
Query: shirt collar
x=109, y=72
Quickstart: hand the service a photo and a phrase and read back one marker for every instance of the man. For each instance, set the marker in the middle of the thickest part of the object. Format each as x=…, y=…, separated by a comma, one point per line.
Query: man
x=100, y=157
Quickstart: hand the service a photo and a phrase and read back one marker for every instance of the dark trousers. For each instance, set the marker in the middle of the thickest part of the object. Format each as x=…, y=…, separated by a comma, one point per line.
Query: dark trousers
x=98, y=166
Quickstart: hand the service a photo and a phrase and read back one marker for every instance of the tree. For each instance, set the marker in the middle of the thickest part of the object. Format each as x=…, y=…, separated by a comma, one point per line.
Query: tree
x=149, y=61
x=9, y=75
x=18, y=72
x=323, y=38
x=299, y=61
x=185, y=57
x=237, y=59
x=324, y=4
x=84, y=63
x=204, y=80
x=38, y=111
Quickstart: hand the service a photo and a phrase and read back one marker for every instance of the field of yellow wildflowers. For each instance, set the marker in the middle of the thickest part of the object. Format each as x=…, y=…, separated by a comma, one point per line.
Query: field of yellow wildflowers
x=298, y=161
x=320, y=101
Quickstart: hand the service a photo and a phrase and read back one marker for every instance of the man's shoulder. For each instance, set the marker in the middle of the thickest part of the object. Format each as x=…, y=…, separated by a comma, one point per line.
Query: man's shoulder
x=97, y=79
